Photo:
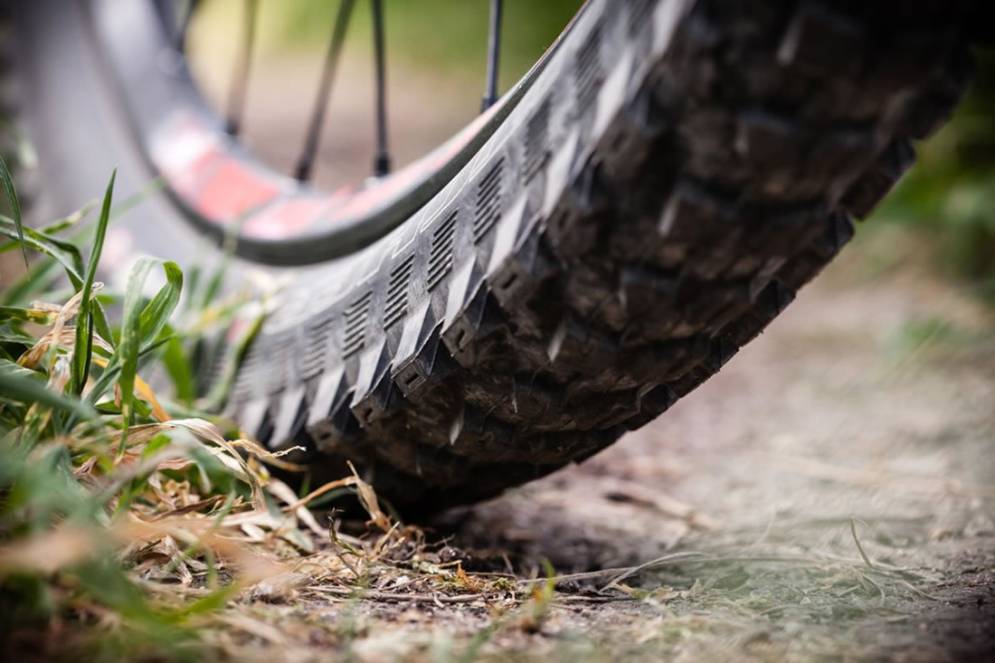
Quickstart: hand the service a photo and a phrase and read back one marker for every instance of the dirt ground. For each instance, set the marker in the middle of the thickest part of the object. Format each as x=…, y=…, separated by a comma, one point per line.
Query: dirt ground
x=829, y=495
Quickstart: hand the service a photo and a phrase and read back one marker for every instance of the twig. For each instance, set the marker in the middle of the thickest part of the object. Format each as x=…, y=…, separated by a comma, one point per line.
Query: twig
x=169, y=588
x=701, y=558
x=318, y=492
x=646, y=565
x=860, y=548
x=375, y=595
x=338, y=543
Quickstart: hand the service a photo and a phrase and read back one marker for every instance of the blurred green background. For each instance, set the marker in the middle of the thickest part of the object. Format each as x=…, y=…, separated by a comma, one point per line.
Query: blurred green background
x=950, y=193
x=421, y=34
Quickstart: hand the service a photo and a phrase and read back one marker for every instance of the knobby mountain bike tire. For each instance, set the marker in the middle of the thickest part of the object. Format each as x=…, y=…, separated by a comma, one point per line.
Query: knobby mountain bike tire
x=671, y=177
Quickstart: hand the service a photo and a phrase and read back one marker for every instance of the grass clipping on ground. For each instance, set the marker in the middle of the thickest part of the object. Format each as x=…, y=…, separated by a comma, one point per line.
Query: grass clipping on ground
x=132, y=517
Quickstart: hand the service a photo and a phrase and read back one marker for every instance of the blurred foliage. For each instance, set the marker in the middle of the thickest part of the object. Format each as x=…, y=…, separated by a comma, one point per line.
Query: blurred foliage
x=426, y=34
x=950, y=193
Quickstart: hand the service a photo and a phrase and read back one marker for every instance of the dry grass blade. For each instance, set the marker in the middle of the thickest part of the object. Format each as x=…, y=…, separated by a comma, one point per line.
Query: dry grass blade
x=400, y=597
x=860, y=548
x=89, y=309
x=318, y=492
x=47, y=553
x=368, y=498
x=10, y=193
x=659, y=561
x=55, y=336
x=251, y=626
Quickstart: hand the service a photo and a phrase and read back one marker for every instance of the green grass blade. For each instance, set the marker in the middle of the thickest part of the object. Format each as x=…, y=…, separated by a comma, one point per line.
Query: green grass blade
x=19, y=383
x=21, y=314
x=14, y=336
x=7, y=183
x=141, y=324
x=110, y=374
x=37, y=279
x=65, y=253
x=127, y=350
x=83, y=351
x=155, y=315
x=234, y=355
x=193, y=287
x=39, y=276
x=178, y=366
x=213, y=285
x=56, y=227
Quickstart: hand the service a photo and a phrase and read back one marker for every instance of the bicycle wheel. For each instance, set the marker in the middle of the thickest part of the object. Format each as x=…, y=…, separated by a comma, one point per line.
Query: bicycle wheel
x=603, y=240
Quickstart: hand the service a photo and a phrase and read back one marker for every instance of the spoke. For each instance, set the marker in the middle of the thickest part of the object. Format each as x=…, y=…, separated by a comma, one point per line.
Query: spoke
x=184, y=27
x=305, y=163
x=493, y=56
x=381, y=161
x=236, y=93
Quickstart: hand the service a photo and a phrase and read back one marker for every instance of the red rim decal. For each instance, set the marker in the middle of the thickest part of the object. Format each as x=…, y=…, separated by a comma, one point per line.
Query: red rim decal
x=232, y=191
